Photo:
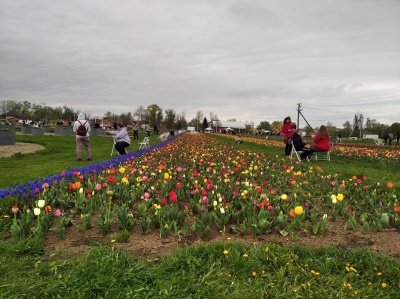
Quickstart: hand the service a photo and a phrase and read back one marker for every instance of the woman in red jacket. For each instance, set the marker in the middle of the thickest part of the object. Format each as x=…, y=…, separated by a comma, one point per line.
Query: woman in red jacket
x=321, y=140
x=288, y=129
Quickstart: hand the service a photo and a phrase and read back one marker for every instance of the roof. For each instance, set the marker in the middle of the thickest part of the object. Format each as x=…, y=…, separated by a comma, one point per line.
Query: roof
x=228, y=124
x=14, y=113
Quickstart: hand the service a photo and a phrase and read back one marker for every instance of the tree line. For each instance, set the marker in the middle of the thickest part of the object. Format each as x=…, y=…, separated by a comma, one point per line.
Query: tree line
x=170, y=119
x=152, y=114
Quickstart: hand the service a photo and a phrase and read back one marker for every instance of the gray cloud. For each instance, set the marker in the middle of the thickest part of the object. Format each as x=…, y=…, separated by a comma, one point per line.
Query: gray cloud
x=249, y=60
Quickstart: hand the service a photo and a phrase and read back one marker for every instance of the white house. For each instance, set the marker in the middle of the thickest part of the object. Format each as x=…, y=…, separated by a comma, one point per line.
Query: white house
x=220, y=126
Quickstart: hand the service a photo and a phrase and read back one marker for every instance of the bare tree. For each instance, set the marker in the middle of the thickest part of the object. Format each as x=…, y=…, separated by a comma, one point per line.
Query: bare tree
x=199, y=116
x=213, y=116
x=140, y=114
x=88, y=114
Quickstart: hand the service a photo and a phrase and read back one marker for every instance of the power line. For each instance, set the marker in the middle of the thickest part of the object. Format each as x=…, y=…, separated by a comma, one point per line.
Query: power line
x=353, y=103
x=373, y=99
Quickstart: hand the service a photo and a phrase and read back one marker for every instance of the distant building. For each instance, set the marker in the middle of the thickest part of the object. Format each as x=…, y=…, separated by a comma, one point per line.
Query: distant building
x=13, y=116
x=228, y=126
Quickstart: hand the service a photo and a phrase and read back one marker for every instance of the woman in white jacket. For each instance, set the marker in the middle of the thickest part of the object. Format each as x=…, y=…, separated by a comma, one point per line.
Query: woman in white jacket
x=122, y=139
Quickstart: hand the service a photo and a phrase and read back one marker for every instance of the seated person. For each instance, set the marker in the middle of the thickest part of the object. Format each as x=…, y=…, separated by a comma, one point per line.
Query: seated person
x=301, y=145
x=321, y=140
x=122, y=139
x=239, y=139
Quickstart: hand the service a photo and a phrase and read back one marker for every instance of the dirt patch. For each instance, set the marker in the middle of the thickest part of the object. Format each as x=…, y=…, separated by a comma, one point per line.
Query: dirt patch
x=151, y=245
x=22, y=148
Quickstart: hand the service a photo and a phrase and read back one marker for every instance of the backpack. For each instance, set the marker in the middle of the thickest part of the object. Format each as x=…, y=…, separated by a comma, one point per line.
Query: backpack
x=81, y=131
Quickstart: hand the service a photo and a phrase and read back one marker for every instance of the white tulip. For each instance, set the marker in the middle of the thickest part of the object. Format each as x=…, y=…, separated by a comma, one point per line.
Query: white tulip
x=36, y=211
x=41, y=203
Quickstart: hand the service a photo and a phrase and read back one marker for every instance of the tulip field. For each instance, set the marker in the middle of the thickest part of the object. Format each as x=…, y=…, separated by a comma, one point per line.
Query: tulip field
x=201, y=189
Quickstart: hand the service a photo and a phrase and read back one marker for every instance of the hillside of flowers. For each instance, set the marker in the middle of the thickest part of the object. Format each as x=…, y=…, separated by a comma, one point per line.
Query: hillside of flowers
x=388, y=155
x=196, y=184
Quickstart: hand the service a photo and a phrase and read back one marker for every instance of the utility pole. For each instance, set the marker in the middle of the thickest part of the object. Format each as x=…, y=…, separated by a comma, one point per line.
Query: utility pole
x=298, y=114
x=298, y=117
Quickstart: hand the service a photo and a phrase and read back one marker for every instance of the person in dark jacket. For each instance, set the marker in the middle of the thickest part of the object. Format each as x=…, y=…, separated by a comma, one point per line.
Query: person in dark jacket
x=301, y=145
x=386, y=137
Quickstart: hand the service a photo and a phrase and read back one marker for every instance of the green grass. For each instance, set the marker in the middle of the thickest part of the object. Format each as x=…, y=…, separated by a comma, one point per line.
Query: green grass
x=27, y=271
x=200, y=272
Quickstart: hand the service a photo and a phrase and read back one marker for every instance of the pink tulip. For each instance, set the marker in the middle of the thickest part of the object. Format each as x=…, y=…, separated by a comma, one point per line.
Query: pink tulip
x=58, y=213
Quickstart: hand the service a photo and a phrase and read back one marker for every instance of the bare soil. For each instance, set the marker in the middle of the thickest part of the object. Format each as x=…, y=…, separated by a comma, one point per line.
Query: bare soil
x=151, y=245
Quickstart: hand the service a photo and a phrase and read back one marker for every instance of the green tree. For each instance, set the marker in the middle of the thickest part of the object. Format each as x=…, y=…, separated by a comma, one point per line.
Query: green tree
x=276, y=126
x=68, y=113
x=395, y=128
x=205, y=123
x=26, y=108
x=181, y=122
x=126, y=118
x=264, y=125
x=169, y=120
x=154, y=113
x=347, y=128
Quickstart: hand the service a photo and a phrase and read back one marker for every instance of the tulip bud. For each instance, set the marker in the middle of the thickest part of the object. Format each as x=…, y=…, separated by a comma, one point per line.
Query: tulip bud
x=36, y=211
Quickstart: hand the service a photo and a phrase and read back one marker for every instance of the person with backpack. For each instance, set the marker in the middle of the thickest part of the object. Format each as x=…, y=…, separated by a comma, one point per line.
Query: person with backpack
x=82, y=128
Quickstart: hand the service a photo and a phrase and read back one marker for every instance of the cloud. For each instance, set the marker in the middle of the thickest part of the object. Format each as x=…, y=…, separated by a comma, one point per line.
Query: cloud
x=251, y=61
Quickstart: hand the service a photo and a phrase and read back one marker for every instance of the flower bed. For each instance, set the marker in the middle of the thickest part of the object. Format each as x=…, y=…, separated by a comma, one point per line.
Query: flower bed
x=368, y=153
x=198, y=184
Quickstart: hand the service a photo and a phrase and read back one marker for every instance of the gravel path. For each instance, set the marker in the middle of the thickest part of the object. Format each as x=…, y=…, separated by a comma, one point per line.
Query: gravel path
x=19, y=147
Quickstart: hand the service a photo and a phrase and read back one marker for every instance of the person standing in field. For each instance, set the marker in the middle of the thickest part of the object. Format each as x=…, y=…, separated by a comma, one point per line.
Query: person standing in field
x=391, y=137
x=287, y=129
x=148, y=130
x=82, y=128
x=135, y=128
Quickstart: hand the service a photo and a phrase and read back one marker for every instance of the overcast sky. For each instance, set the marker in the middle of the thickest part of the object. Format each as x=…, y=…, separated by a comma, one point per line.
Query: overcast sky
x=248, y=60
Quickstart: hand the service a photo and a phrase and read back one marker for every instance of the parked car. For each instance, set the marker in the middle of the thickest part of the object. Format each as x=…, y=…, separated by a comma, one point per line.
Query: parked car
x=353, y=138
x=27, y=122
